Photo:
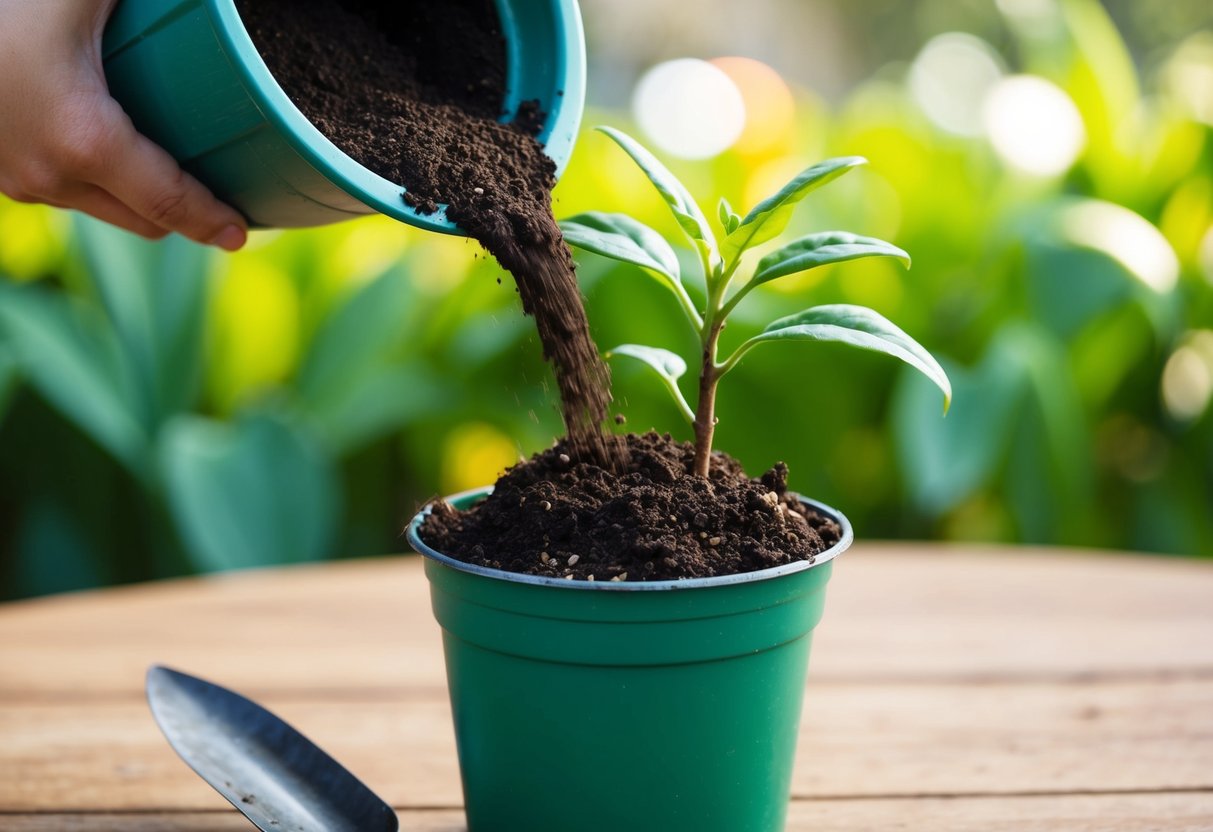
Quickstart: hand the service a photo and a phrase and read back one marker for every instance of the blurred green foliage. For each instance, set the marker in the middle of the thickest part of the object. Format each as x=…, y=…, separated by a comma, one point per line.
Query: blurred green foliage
x=164, y=410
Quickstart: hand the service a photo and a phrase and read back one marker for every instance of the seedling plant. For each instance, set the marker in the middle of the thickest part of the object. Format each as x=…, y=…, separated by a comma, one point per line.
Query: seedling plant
x=624, y=238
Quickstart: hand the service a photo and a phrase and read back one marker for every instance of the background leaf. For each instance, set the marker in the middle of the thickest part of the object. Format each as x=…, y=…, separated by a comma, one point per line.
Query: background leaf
x=351, y=388
x=947, y=461
x=372, y=324
x=770, y=217
x=255, y=492
x=72, y=360
x=9, y=377
x=375, y=403
x=155, y=294
x=57, y=555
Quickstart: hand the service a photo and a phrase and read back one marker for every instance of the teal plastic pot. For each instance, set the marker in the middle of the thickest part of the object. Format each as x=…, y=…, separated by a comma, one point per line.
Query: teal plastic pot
x=670, y=706
x=187, y=73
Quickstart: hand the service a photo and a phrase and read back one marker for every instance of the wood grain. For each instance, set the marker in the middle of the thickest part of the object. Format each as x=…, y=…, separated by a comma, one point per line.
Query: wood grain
x=895, y=613
x=1071, y=813
x=950, y=689
x=856, y=740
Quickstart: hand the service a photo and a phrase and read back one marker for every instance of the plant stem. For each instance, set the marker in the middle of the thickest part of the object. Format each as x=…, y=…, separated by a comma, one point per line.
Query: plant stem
x=705, y=410
x=732, y=302
x=688, y=306
x=717, y=280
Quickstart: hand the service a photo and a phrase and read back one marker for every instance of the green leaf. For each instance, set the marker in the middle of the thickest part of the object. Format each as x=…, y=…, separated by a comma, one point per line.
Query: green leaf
x=690, y=217
x=945, y=462
x=377, y=402
x=729, y=219
x=669, y=367
x=10, y=377
x=357, y=382
x=822, y=249
x=252, y=493
x=367, y=329
x=857, y=326
x=1074, y=276
x=154, y=295
x=669, y=364
x=1058, y=416
x=620, y=237
x=52, y=551
x=771, y=216
x=71, y=359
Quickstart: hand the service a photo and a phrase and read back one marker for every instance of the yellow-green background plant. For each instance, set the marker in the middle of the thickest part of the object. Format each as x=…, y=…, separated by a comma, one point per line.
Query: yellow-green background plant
x=166, y=411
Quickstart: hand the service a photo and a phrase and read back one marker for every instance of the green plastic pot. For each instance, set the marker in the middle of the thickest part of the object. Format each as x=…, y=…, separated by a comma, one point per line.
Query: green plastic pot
x=187, y=73
x=669, y=706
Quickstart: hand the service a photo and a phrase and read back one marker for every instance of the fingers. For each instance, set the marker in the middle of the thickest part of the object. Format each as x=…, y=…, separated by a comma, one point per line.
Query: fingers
x=147, y=181
x=65, y=141
x=88, y=155
x=96, y=203
x=106, y=207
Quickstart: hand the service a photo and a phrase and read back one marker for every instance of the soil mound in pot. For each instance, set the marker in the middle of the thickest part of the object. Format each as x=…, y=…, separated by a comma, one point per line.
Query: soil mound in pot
x=413, y=90
x=653, y=520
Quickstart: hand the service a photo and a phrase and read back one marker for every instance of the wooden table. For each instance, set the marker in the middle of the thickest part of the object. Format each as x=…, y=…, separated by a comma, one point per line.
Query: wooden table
x=950, y=689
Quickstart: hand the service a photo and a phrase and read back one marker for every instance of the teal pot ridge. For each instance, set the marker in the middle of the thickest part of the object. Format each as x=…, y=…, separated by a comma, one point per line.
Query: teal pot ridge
x=189, y=76
x=666, y=706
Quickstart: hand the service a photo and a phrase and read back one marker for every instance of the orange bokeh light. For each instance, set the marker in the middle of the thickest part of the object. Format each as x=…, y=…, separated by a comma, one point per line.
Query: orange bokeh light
x=769, y=105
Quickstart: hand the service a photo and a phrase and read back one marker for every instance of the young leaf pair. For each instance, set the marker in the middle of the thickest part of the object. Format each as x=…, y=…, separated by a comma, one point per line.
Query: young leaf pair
x=623, y=238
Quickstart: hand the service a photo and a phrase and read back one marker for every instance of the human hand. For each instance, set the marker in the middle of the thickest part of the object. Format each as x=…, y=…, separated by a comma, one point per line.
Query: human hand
x=65, y=142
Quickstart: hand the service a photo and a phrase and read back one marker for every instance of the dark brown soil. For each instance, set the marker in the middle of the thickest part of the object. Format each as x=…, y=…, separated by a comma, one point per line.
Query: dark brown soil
x=559, y=517
x=413, y=90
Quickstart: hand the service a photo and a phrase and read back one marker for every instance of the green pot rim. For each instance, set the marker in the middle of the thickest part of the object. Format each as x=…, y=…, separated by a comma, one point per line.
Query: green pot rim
x=414, y=538
x=363, y=184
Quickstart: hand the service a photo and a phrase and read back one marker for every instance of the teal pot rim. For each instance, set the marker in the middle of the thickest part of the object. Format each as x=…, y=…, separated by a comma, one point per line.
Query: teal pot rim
x=475, y=494
x=368, y=187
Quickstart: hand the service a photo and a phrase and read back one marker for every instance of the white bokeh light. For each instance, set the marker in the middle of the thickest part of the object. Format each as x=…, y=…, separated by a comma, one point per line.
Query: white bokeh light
x=1033, y=125
x=1187, y=379
x=950, y=79
x=689, y=108
x=1189, y=76
x=1036, y=15
x=1127, y=238
x=1206, y=254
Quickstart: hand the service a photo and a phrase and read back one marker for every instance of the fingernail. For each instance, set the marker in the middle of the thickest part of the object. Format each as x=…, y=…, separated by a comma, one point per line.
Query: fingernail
x=231, y=238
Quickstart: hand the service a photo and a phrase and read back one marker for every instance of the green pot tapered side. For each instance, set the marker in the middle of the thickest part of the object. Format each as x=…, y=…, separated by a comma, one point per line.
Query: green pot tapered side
x=189, y=76
x=617, y=706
